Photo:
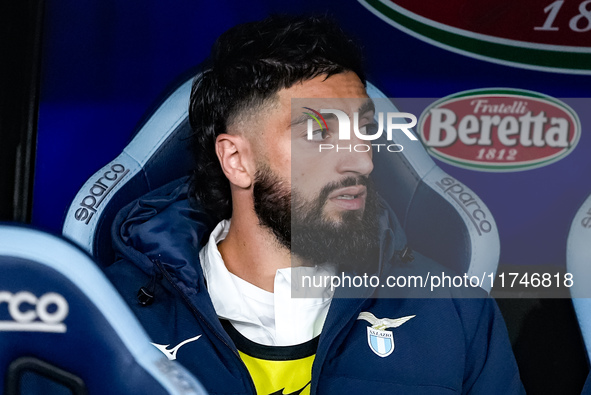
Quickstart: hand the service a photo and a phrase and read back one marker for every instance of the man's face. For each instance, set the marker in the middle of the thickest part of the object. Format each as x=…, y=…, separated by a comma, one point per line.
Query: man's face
x=317, y=202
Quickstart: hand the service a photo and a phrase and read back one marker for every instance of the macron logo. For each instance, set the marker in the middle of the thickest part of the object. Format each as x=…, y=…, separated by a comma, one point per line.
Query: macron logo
x=171, y=354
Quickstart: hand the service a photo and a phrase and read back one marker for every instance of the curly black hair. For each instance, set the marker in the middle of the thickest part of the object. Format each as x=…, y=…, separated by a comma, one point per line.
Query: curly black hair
x=248, y=64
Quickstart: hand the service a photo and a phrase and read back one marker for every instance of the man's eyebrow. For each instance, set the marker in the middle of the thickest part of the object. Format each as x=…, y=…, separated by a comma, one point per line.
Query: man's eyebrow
x=367, y=106
x=304, y=117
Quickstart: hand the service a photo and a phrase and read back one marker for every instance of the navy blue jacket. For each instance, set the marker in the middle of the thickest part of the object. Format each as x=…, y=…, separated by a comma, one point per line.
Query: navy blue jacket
x=452, y=346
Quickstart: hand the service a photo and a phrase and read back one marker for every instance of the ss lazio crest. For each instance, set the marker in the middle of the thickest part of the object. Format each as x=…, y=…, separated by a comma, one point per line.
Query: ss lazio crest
x=380, y=340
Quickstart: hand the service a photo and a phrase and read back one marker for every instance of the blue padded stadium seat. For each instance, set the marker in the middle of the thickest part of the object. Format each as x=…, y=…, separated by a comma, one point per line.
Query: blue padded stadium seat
x=157, y=155
x=443, y=218
x=578, y=263
x=65, y=330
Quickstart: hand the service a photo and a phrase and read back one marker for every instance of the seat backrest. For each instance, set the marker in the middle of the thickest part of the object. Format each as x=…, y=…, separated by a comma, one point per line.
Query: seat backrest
x=158, y=154
x=64, y=329
x=443, y=218
x=578, y=264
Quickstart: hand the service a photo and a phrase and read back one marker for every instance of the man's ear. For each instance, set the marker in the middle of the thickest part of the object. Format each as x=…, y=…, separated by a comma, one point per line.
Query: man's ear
x=233, y=151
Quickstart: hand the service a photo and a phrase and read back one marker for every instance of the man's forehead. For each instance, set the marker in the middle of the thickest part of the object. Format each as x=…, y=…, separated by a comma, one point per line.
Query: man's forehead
x=343, y=91
x=342, y=85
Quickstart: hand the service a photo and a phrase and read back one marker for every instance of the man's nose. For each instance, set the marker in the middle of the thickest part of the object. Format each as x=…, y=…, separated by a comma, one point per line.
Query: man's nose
x=355, y=156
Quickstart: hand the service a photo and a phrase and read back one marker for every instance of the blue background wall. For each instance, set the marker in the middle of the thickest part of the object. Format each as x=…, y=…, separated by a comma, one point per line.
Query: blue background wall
x=105, y=63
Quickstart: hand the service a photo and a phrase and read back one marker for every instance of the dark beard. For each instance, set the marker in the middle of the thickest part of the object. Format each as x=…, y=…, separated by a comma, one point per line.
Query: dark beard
x=272, y=204
x=351, y=243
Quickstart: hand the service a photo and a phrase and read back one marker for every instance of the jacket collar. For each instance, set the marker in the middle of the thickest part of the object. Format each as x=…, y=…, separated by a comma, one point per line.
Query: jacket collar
x=163, y=226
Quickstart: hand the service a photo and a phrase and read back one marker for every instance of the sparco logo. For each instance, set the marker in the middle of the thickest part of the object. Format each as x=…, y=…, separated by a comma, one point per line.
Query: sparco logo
x=499, y=129
x=467, y=202
x=586, y=221
x=31, y=314
x=98, y=191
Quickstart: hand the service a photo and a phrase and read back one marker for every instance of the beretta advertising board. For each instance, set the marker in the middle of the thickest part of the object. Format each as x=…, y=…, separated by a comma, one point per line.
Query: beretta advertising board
x=499, y=129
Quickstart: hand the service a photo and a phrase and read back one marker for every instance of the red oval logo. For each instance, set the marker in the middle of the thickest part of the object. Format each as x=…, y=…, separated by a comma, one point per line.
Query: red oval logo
x=499, y=129
x=551, y=35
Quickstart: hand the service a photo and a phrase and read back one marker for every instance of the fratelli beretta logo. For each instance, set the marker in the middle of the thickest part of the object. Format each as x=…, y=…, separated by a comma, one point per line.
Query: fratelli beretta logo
x=499, y=129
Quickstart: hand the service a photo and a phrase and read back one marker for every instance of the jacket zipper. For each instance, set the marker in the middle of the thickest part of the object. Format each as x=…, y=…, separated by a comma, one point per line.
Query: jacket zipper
x=198, y=314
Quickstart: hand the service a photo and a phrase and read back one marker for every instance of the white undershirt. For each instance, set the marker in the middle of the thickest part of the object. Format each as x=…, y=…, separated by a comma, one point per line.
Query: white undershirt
x=273, y=319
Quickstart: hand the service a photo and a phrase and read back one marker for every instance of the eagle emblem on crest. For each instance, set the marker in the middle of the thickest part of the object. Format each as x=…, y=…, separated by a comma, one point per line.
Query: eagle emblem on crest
x=379, y=339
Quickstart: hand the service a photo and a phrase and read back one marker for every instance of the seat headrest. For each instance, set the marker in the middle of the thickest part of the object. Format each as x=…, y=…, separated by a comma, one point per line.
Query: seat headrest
x=578, y=257
x=58, y=310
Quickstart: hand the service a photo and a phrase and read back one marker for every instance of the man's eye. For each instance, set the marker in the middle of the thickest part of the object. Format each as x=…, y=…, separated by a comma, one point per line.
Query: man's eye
x=320, y=135
x=370, y=128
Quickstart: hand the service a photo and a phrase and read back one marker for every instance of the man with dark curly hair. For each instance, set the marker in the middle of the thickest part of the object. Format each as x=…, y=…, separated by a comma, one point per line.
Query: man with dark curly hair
x=218, y=251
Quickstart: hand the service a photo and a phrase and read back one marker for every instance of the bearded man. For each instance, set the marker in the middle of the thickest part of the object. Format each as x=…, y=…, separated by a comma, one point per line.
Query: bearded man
x=213, y=256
